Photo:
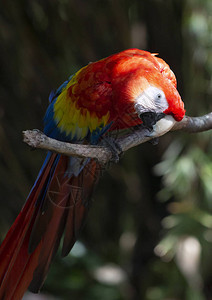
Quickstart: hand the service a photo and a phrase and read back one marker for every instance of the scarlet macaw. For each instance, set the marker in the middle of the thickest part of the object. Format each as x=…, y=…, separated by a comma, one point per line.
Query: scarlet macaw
x=133, y=86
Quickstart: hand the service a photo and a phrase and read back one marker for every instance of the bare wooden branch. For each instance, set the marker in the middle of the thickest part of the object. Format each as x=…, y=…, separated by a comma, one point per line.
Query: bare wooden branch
x=103, y=154
x=37, y=139
x=194, y=124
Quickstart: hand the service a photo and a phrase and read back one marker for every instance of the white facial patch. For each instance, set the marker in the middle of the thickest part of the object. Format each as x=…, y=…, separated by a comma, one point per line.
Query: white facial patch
x=151, y=99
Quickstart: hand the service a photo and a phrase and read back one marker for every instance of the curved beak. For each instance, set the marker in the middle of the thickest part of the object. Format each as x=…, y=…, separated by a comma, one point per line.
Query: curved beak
x=150, y=118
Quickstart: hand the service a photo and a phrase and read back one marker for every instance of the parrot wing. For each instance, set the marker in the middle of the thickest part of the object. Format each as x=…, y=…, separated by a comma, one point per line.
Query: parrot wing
x=58, y=203
x=79, y=109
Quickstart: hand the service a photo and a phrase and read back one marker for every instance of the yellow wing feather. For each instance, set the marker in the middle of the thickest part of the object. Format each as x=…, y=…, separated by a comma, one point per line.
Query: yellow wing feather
x=72, y=120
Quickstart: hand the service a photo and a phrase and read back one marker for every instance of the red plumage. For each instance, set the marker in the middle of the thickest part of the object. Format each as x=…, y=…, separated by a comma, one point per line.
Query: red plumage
x=32, y=241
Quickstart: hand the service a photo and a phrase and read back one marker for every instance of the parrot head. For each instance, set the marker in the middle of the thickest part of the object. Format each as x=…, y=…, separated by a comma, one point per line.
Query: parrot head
x=158, y=100
x=151, y=86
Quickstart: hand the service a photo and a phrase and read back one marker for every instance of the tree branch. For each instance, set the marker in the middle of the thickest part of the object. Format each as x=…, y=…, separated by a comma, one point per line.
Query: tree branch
x=103, y=154
x=194, y=124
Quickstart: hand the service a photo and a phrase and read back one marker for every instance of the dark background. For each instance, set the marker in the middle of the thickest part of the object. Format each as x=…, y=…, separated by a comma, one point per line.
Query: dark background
x=149, y=232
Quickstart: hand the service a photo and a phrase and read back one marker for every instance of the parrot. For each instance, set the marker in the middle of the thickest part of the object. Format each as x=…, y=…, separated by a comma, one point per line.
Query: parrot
x=127, y=90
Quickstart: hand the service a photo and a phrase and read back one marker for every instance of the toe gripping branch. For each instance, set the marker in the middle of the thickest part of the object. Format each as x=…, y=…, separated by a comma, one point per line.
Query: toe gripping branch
x=114, y=147
x=149, y=119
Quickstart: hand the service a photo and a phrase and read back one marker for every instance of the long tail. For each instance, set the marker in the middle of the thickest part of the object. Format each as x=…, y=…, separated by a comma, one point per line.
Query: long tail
x=58, y=203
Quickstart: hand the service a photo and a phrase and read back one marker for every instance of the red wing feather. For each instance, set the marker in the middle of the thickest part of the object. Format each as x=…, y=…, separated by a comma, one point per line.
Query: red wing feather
x=79, y=203
x=57, y=201
x=14, y=249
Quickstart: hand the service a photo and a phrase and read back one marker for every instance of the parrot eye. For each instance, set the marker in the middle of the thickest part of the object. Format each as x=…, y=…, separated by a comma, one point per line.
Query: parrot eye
x=159, y=98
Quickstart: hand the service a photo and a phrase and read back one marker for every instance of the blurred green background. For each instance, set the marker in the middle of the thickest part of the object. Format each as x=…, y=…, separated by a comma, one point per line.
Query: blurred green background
x=149, y=232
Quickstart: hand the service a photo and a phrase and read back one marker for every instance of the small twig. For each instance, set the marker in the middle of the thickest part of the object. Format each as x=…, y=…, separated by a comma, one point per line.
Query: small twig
x=37, y=139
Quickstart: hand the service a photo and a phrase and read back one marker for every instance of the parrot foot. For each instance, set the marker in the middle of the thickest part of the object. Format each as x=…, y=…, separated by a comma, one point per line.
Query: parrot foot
x=114, y=147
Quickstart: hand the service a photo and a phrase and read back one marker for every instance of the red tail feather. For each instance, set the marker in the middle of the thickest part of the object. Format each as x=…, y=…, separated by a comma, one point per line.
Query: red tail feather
x=57, y=201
